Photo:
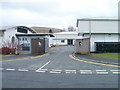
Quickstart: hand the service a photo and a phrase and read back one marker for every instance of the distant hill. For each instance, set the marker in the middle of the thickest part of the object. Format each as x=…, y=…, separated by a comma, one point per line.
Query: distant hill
x=46, y=29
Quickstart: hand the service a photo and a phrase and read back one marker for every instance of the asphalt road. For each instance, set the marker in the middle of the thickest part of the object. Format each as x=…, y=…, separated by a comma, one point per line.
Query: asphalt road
x=57, y=70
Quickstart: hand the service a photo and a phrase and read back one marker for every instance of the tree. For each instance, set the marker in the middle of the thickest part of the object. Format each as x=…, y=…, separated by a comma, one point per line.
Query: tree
x=50, y=31
x=71, y=28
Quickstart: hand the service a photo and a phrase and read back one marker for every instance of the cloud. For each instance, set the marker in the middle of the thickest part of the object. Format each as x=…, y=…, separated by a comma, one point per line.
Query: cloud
x=54, y=13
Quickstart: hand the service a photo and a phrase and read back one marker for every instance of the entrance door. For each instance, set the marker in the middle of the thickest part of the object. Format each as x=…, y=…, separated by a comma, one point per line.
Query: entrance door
x=70, y=42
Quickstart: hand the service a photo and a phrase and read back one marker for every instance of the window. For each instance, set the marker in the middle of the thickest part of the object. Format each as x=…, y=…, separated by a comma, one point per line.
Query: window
x=62, y=41
x=83, y=35
x=21, y=30
x=23, y=39
x=19, y=39
x=26, y=39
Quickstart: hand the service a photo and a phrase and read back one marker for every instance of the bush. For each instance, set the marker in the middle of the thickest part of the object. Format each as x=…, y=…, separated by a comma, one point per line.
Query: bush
x=6, y=50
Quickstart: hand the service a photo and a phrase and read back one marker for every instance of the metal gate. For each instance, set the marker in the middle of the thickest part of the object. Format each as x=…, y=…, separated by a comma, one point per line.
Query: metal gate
x=38, y=46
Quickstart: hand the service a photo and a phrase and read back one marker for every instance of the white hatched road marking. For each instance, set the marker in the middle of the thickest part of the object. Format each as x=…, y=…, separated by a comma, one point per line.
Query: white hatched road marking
x=9, y=69
x=23, y=70
x=42, y=66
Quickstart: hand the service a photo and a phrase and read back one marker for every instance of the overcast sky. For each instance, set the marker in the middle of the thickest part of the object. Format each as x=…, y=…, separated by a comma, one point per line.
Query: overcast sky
x=54, y=13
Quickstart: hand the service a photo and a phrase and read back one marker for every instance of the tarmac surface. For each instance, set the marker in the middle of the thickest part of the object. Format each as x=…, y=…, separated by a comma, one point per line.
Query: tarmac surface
x=56, y=70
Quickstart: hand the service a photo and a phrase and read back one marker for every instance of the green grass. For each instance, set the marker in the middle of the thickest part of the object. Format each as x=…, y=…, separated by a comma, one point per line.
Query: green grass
x=6, y=55
x=106, y=55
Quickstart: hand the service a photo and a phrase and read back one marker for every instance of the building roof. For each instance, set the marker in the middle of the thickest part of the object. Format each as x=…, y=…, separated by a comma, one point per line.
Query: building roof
x=9, y=27
x=97, y=19
x=66, y=33
x=35, y=34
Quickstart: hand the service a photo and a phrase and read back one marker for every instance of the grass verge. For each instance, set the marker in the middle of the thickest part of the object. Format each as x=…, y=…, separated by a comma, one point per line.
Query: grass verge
x=106, y=55
x=6, y=55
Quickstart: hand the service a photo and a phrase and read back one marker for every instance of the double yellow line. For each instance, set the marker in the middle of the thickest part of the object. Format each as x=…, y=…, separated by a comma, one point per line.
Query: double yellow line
x=71, y=56
x=27, y=58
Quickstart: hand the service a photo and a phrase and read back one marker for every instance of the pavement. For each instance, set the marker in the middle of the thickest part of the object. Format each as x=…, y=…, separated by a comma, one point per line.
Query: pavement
x=57, y=70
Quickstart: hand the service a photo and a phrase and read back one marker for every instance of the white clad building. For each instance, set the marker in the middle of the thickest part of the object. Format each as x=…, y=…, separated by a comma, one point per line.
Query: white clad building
x=100, y=30
x=7, y=34
x=65, y=38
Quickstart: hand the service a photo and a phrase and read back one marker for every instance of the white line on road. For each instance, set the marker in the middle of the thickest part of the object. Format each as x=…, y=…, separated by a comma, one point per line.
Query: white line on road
x=54, y=72
x=42, y=70
x=1, y=68
x=9, y=69
x=114, y=70
x=102, y=72
x=70, y=70
x=43, y=66
x=85, y=72
x=23, y=70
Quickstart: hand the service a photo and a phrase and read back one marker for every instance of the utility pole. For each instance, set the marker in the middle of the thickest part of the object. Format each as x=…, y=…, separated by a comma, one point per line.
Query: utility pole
x=90, y=33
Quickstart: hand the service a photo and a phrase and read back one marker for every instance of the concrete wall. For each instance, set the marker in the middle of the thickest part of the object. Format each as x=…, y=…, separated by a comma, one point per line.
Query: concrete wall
x=82, y=46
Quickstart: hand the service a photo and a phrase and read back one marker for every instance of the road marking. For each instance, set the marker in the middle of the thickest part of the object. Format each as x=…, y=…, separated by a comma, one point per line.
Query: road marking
x=26, y=58
x=9, y=69
x=54, y=72
x=102, y=72
x=85, y=72
x=70, y=71
x=23, y=70
x=42, y=70
x=43, y=66
x=1, y=68
x=73, y=57
x=116, y=72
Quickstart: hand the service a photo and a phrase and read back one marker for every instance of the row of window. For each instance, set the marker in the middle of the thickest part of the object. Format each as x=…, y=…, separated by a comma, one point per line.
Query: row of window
x=22, y=39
